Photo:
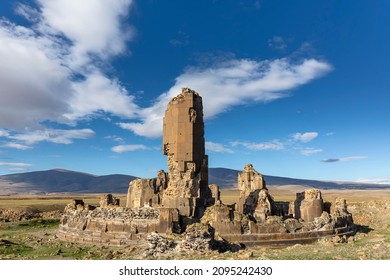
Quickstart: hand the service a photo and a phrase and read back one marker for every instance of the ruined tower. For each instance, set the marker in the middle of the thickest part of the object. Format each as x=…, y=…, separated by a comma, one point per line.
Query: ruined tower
x=184, y=146
x=181, y=201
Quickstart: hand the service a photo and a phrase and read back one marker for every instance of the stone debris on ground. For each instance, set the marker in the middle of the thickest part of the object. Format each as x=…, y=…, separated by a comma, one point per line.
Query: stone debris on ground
x=158, y=245
x=198, y=237
x=17, y=215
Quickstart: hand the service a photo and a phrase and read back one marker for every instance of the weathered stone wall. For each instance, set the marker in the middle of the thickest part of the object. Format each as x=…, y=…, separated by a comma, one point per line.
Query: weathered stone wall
x=183, y=130
x=309, y=205
x=115, y=225
x=183, y=144
x=236, y=227
x=254, y=197
x=340, y=213
x=109, y=200
x=146, y=192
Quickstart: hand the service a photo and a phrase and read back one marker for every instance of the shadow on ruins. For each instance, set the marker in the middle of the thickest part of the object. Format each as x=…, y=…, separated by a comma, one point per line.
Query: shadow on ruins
x=179, y=209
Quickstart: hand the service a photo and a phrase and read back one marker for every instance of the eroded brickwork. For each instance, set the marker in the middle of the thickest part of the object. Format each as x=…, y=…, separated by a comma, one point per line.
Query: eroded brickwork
x=184, y=146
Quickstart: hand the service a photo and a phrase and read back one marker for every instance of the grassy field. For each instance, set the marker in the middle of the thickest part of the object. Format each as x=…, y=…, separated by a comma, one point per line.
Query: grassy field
x=50, y=202
x=288, y=193
x=36, y=239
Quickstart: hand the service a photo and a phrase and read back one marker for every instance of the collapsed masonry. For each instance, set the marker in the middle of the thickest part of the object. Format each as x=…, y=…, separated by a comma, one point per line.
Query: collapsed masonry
x=177, y=201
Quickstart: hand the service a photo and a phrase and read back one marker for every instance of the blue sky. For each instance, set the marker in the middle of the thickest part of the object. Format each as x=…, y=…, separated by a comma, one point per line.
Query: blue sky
x=298, y=88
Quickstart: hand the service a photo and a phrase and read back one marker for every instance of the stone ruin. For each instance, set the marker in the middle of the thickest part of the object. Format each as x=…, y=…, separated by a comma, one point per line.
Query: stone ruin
x=180, y=202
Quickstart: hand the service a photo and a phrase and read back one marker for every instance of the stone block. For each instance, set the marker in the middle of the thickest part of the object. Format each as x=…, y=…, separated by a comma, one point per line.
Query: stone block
x=115, y=226
x=308, y=205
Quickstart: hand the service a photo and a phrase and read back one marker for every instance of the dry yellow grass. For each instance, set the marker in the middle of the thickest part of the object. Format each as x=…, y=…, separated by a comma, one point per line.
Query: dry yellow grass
x=288, y=193
x=279, y=193
x=50, y=202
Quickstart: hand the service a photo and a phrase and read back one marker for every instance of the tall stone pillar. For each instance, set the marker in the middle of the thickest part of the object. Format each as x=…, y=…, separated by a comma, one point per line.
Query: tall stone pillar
x=184, y=146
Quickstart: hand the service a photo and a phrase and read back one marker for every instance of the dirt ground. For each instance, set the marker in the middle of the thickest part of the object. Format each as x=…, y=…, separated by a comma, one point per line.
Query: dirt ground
x=34, y=237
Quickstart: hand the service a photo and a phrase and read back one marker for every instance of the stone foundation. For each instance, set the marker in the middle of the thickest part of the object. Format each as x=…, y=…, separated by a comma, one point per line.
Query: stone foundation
x=115, y=225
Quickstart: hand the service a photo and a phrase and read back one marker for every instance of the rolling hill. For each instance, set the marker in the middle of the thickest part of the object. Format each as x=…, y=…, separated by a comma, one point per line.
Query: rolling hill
x=227, y=178
x=62, y=181
x=66, y=181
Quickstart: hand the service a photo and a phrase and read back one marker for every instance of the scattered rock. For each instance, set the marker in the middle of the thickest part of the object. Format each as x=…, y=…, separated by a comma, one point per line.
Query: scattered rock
x=198, y=237
x=157, y=245
x=17, y=215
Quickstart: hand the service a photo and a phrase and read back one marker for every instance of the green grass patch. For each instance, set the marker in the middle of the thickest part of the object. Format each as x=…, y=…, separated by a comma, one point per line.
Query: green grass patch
x=8, y=247
x=41, y=223
x=25, y=226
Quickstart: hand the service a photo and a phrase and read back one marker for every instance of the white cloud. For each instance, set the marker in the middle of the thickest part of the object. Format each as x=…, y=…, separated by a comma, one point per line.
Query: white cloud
x=98, y=93
x=375, y=180
x=128, y=148
x=352, y=158
x=15, y=164
x=34, y=85
x=17, y=146
x=229, y=84
x=310, y=151
x=305, y=137
x=48, y=71
x=217, y=148
x=115, y=138
x=93, y=26
x=29, y=13
x=17, y=169
x=4, y=133
x=59, y=136
x=343, y=159
x=274, y=145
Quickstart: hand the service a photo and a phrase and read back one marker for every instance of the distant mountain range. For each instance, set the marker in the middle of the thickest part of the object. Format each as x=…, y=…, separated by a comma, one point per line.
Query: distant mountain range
x=63, y=181
x=66, y=181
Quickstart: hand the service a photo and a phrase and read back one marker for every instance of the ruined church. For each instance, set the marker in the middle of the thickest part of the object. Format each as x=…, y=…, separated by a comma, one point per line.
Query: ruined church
x=176, y=201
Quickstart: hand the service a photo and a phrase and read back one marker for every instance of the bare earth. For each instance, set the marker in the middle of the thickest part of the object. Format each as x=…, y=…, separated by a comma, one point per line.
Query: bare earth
x=36, y=238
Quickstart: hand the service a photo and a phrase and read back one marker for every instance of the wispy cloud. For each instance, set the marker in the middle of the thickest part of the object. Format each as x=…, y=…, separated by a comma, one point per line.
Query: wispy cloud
x=231, y=83
x=181, y=40
x=15, y=164
x=17, y=146
x=3, y=133
x=375, y=180
x=115, y=138
x=120, y=149
x=343, y=159
x=305, y=137
x=17, y=169
x=217, y=148
x=58, y=136
x=292, y=142
x=277, y=43
x=310, y=151
x=274, y=145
